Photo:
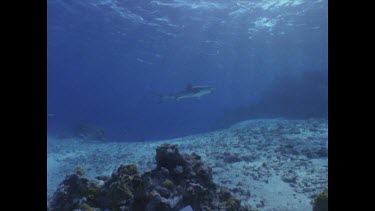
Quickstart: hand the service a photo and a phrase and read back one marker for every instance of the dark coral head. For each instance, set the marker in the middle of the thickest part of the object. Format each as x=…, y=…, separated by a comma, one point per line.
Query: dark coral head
x=168, y=156
x=127, y=170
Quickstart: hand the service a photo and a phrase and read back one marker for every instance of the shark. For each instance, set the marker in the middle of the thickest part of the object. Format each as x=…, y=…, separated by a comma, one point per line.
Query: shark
x=189, y=92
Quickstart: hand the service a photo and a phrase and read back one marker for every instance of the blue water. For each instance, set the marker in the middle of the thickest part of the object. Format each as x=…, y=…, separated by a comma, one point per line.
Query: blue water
x=264, y=58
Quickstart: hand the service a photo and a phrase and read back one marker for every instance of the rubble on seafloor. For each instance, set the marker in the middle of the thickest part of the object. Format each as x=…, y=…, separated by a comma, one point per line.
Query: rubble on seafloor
x=179, y=182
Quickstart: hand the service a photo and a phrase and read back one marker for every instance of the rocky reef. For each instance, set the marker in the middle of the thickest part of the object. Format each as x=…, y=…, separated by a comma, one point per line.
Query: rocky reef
x=320, y=203
x=179, y=182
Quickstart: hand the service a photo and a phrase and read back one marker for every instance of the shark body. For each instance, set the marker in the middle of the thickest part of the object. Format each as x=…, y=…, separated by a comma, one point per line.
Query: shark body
x=189, y=92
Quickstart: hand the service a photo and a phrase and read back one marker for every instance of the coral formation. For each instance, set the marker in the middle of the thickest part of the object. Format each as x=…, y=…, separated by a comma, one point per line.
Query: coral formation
x=80, y=171
x=320, y=203
x=177, y=182
x=168, y=184
x=86, y=207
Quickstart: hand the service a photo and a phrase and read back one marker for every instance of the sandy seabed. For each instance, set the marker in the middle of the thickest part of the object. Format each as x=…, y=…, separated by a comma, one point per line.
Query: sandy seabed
x=270, y=164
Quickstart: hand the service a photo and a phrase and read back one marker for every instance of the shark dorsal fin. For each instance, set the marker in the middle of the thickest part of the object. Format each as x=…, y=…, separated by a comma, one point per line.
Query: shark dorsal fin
x=189, y=86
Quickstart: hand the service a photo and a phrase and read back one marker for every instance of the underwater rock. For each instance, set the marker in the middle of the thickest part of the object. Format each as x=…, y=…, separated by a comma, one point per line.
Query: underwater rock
x=119, y=190
x=320, y=203
x=80, y=171
x=248, y=158
x=315, y=152
x=89, y=132
x=232, y=159
x=168, y=156
x=103, y=177
x=180, y=181
x=187, y=208
x=288, y=149
x=74, y=192
x=289, y=177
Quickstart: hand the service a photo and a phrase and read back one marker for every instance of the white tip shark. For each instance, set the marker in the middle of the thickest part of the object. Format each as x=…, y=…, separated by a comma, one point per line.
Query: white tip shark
x=189, y=92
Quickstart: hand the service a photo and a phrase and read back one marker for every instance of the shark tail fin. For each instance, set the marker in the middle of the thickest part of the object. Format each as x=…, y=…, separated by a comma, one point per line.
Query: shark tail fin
x=161, y=97
x=164, y=97
x=157, y=94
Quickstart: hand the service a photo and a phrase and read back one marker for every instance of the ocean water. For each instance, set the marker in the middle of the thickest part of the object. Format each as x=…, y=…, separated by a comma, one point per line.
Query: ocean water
x=266, y=60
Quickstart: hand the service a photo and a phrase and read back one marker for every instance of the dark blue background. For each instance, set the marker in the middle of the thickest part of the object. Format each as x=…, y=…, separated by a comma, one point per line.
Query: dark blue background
x=104, y=60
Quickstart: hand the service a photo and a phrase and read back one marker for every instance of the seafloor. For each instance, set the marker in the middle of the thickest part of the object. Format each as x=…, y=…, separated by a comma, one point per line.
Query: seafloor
x=270, y=164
